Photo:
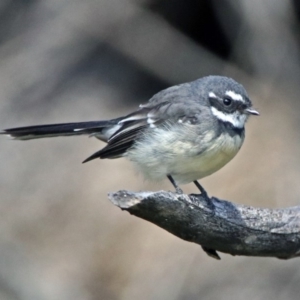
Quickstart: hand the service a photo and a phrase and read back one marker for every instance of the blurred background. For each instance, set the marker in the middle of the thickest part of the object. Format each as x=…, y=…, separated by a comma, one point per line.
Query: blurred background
x=64, y=61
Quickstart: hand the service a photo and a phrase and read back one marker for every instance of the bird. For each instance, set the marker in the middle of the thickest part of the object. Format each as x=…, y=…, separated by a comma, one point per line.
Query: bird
x=184, y=133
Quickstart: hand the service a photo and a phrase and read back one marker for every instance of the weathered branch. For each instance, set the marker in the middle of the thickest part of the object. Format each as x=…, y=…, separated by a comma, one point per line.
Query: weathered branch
x=217, y=224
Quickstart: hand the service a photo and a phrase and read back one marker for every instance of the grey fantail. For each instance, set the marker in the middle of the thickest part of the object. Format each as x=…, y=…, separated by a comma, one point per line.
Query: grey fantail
x=185, y=132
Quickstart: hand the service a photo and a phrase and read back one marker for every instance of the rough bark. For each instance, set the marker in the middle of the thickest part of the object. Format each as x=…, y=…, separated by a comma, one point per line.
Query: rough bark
x=218, y=225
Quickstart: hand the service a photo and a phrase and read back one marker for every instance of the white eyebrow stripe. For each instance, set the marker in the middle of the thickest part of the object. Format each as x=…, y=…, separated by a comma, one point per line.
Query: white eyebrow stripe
x=212, y=95
x=235, y=96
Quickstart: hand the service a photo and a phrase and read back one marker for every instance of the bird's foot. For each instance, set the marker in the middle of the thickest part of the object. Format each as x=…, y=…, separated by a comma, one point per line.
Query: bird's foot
x=177, y=188
x=179, y=191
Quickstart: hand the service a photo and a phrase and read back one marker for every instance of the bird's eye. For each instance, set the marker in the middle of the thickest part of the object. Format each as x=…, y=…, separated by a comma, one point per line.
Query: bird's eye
x=227, y=101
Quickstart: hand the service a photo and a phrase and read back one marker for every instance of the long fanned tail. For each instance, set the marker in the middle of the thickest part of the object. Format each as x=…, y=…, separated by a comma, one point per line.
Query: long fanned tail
x=100, y=129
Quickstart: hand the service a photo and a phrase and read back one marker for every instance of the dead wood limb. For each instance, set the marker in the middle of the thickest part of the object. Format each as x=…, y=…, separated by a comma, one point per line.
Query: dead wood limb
x=218, y=225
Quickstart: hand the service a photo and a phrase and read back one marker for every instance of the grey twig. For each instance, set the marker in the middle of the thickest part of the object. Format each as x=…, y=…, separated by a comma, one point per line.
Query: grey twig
x=218, y=225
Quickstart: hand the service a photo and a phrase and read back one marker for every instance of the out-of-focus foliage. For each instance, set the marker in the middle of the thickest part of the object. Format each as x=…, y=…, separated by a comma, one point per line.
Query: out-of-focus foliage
x=61, y=61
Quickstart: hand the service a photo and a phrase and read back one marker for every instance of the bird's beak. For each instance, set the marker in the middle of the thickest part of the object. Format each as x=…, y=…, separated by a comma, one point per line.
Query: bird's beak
x=252, y=111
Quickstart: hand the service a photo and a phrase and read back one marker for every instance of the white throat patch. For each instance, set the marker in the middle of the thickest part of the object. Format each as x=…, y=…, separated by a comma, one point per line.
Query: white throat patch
x=236, y=119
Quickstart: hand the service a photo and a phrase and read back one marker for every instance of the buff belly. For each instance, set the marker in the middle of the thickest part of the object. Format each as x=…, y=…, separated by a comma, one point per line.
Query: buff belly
x=185, y=158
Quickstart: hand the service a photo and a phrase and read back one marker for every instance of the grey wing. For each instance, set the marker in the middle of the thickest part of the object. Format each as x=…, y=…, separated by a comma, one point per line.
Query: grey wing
x=150, y=115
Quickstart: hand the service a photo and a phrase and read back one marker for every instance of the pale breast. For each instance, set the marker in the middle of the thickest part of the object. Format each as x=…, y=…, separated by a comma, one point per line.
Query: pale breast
x=184, y=158
x=224, y=148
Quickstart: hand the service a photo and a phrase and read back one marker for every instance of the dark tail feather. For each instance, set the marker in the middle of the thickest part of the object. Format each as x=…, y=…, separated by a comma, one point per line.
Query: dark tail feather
x=63, y=129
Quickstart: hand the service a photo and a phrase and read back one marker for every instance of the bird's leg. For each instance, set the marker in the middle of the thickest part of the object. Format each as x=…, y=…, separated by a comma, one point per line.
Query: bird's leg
x=177, y=188
x=201, y=189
